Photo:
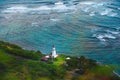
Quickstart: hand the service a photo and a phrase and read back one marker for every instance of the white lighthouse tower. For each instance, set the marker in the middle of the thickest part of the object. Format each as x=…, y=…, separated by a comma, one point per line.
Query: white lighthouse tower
x=54, y=54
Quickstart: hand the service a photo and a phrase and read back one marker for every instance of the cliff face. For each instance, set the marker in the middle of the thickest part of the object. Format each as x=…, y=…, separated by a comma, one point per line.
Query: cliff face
x=19, y=64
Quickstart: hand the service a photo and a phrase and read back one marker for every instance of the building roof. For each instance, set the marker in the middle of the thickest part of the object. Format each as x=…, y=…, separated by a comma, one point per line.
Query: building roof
x=44, y=58
x=68, y=58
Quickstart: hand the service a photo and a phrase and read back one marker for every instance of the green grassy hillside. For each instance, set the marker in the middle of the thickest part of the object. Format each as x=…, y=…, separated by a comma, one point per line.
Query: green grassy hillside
x=19, y=64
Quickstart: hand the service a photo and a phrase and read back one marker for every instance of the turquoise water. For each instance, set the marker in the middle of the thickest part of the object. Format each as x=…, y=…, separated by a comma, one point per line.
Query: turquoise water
x=76, y=27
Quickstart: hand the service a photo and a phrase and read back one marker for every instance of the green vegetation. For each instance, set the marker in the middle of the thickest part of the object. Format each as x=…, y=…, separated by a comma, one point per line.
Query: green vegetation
x=19, y=64
x=60, y=60
x=18, y=51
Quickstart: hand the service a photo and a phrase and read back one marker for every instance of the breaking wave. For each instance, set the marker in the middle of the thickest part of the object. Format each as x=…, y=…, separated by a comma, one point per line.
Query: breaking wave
x=89, y=7
x=103, y=37
x=57, y=7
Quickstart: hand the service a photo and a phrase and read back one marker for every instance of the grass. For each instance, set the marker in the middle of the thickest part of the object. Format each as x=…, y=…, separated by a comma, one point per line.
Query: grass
x=4, y=58
x=60, y=60
x=19, y=64
x=103, y=70
x=43, y=78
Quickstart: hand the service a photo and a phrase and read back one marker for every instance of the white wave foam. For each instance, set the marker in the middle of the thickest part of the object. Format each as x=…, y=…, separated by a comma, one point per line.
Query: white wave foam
x=34, y=24
x=113, y=14
x=42, y=8
x=59, y=3
x=90, y=7
x=102, y=37
x=86, y=9
x=108, y=12
x=113, y=32
x=109, y=36
x=54, y=20
x=87, y=3
x=92, y=14
x=93, y=8
x=58, y=7
x=16, y=9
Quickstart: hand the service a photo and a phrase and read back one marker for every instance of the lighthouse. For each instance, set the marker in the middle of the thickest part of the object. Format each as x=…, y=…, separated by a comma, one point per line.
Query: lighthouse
x=54, y=54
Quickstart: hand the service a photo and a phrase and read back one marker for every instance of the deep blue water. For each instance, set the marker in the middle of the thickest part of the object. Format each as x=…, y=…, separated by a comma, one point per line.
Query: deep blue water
x=76, y=27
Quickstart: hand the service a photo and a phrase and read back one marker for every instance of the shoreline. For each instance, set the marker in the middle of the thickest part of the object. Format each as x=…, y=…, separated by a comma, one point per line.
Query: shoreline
x=117, y=74
x=17, y=47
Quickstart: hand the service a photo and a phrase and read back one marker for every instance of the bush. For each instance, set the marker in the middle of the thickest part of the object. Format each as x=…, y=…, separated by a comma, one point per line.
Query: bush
x=82, y=64
x=18, y=51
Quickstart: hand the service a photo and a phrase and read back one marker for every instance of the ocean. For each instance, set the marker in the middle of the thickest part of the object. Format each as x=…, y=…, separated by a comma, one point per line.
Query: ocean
x=76, y=27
